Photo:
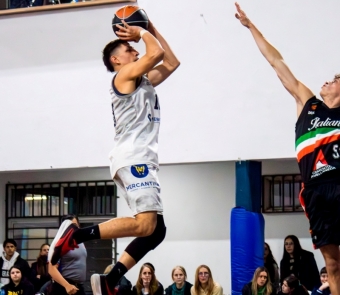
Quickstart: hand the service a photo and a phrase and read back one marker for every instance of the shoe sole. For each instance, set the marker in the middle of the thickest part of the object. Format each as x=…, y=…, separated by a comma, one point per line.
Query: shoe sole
x=59, y=234
x=95, y=284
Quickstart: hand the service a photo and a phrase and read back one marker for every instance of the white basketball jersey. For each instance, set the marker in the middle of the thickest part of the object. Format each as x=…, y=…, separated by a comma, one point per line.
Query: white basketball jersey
x=136, y=118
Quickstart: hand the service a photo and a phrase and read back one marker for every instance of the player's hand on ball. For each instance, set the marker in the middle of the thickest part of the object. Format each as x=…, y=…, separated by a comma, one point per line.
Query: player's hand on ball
x=241, y=16
x=128, y=33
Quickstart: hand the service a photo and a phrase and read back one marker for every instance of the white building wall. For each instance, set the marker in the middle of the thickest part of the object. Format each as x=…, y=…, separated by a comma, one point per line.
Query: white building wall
x=223, y=103
x=197, y=201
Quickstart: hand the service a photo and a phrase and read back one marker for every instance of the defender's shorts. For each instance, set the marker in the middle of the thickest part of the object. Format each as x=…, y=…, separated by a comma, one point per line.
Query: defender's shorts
x=140, y=187
x=322, y=206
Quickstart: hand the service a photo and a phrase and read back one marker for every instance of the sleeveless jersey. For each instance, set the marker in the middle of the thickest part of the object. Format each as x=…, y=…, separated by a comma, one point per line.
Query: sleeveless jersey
x=317, y=143
x=136, y=118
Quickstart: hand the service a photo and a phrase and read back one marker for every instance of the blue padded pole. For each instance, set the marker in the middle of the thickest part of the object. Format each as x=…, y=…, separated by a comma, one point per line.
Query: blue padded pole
x=246, y=225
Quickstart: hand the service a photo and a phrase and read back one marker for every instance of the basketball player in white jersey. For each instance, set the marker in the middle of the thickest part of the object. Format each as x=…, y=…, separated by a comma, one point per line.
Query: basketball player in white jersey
x=134, y=160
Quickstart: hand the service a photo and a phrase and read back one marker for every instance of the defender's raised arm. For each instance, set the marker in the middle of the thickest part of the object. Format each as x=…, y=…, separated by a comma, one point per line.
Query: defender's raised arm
x=297, y=89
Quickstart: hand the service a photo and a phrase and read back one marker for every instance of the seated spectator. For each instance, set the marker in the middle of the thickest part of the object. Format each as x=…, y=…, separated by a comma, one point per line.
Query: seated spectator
x=180, y=285
x=39, y=269
x=272, y=267
x=154, y=270
x=299, y=262
x=18, y=284
x=147, y=282
x=324, y=287
x=291, y=286
x=204, y=283
x=9, y=258
x=260, y=284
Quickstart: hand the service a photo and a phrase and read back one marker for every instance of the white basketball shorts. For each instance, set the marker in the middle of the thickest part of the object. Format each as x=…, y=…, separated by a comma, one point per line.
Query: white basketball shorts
x=139, y=185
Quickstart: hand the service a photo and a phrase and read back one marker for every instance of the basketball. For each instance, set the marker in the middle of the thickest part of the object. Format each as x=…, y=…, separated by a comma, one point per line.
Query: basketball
x=132, y=15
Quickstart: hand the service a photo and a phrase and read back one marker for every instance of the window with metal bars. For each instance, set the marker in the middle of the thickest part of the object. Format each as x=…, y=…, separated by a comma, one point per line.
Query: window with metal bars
x=34, y=210
x=280, y=193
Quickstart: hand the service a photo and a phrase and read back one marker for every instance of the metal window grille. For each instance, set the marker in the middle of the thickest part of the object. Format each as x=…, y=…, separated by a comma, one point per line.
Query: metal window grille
x=34, y=210
x=280, y=193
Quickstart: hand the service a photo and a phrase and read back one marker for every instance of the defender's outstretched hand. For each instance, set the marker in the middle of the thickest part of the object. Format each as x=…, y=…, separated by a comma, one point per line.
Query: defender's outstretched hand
x=241, y=16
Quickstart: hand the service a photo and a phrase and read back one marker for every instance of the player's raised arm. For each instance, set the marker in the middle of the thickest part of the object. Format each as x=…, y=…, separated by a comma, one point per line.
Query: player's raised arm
x=170, y=62
x=297, y=89
x=154, y=52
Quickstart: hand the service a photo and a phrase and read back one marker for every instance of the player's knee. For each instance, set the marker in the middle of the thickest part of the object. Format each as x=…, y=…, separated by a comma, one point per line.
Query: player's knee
x=333, y=266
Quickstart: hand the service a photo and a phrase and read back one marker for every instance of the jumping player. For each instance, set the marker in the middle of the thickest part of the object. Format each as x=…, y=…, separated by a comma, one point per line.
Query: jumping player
x=318, y=153
x=134, y=159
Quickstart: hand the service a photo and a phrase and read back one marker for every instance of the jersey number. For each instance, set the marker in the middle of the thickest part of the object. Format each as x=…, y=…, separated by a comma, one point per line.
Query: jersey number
x=157, y=107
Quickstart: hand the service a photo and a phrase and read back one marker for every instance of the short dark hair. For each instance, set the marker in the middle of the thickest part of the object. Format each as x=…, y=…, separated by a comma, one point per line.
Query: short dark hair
x=323, y=270
x=9, y=241
x=108, y=50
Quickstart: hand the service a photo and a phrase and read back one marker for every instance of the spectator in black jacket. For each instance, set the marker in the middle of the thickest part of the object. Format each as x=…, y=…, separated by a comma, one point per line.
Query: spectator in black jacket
x=260, y=284
x=9, y=258
x=299, y=262
x=17, y=283
x=180, y=285
x=323, y=289
x=39, y=269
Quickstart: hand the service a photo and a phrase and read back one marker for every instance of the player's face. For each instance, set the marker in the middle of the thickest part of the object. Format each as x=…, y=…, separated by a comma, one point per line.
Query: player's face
x=203, y=275
x=331, y=88
x=146, y=275
x=178, y=277
x=10, y=249
x=324, y=278
x=15, y=275
x=285, y=288
x=289, y=246
x=126, y=54
x=262, y=279
x=44, y=250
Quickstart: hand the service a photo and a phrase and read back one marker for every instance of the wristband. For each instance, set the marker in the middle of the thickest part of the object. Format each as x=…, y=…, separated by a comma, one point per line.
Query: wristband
x=142, y=32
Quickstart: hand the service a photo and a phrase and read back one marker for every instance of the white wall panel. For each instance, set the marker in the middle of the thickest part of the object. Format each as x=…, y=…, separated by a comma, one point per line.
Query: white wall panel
x=223, y=103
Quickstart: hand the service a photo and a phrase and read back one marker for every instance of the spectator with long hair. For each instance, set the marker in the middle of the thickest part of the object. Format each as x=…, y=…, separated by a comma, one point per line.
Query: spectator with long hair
x=260, y=284
x=39, y=269
x=180, y=285
x=147, y=283
x=204, y=282
x=272, y=267
x=18, y=284
x=292, y=286
x=299, y=262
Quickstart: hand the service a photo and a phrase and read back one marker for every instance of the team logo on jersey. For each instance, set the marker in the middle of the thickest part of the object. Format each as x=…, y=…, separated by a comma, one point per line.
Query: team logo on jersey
x=321, y=165
x=313, y=108
x=140, y=170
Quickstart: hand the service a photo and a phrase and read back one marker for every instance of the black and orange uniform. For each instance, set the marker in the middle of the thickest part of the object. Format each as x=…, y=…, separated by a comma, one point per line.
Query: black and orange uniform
x=318, y=154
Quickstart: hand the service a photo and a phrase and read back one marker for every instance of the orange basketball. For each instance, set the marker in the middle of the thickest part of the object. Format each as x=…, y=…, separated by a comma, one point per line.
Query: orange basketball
x=132, y=15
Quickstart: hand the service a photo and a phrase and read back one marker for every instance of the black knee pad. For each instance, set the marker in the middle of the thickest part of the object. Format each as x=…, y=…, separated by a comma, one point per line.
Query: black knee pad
x=142, y=245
